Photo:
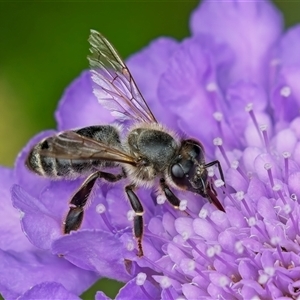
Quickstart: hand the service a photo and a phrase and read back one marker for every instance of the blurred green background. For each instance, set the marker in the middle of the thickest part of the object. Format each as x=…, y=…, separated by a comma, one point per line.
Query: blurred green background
x=44, y=47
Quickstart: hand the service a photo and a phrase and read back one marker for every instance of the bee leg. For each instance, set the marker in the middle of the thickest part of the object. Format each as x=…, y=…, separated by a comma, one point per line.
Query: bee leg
x=138, y=223
x=216, y=162
x=169, y=194
x=80, y=198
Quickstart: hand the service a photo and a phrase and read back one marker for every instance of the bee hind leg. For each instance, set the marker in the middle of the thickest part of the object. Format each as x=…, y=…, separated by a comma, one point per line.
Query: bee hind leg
x=80, y=198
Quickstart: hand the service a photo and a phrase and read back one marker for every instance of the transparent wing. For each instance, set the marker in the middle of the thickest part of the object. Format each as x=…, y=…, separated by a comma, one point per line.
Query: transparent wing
x=114, y=86
x=71, y=145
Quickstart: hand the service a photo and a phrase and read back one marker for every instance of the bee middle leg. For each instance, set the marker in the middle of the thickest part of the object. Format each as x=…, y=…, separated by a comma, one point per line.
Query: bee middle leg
x=138, y=223
x=80, y=198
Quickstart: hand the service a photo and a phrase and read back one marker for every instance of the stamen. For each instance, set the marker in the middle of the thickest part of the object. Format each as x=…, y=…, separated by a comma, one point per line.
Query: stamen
x=203, y=213
x=165, y=282
x=101, y=209
x=263, y=129
x=277, y=188
x=219, y=117
x=240, y=196
x=202, y=274
x=211, y=87
x=235, y=165
x=161, y=199
x=194, y=246
x=218, y=142
x=164, y=270
x=141, y=278
x=210, y=172
x=285, y=91
x=249, y=109
x=294, y=197
x=183, y=205
x=130, y=215
x=228, y=195
x=210, y=252
x=191, y=265
x=239, y=247
x=224, y=281
x=268, y=167
x=280, y=255
x=263, y=278
x=252, y=221
x=286, y=155
x=130, y=245
x=218, y=183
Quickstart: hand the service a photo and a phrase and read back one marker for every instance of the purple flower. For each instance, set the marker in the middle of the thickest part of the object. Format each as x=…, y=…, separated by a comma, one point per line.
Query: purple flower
x=234, y=86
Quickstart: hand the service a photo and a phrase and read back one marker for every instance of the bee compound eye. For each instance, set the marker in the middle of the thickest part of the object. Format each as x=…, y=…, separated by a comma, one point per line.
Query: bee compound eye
x=177, y=171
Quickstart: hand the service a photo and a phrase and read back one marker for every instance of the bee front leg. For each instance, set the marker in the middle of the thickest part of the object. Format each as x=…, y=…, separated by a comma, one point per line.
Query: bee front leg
x=80, y=198
x=171, y=197
x=138, y=223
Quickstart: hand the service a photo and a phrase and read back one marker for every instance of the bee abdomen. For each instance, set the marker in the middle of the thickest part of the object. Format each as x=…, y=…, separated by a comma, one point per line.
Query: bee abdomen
x=55, y=167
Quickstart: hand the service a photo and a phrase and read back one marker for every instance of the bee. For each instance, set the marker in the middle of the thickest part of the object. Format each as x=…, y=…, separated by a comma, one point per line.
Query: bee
x=145, y=153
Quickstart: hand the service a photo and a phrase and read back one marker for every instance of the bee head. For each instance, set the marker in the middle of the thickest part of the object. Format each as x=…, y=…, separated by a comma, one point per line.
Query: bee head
x=188, y=169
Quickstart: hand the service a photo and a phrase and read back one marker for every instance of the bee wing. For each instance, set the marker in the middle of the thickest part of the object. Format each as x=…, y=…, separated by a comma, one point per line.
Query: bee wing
x=114, y=86
x=71, y=145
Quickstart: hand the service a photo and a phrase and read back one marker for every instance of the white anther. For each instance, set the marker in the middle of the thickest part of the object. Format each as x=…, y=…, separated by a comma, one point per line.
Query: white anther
x=185, y=235
x=211, y=252
x=234, y=164
x=267, y=166
x=263, y=127
x=285, y=91
x=287, y=208
x=277, y=187
x=249, y=107
x=183, y=205
x=130, y=215
x=161, y=199
x=239, y=195
x=270, y=271
x=211, y=87
x=203, y=213
x=165, y=282
x=239, y=247
x=218, y=141
x=286, y=154
x=275, y=240
x=218, y=116
x=251, y=221
x=263, y=278
x=294, y=197
x=100, y=208
x=219, y=182
x=141, y=278
x=130, y=245
x=224, y=281
x=191, y=265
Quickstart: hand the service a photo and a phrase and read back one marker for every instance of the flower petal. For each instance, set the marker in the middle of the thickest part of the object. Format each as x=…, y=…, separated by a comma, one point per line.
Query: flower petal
x=94, y=250
x=243, y=25
x=48, y=291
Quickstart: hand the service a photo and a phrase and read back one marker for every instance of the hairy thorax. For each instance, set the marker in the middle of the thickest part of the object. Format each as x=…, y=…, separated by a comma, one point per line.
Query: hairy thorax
x=154, y=148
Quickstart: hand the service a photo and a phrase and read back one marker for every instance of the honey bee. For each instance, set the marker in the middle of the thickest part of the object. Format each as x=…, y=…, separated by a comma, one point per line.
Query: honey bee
x=145, y=153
